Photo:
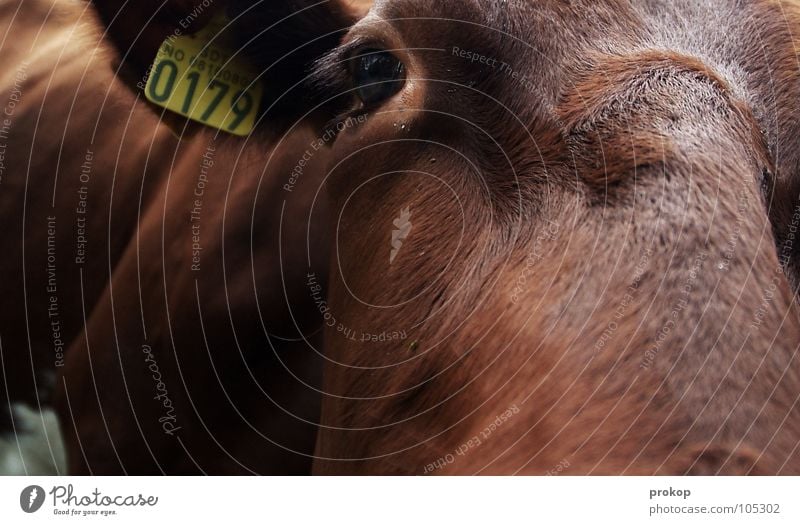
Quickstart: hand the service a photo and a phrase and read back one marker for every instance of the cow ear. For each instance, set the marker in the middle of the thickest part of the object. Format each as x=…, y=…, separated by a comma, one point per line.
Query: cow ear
x=138, y=28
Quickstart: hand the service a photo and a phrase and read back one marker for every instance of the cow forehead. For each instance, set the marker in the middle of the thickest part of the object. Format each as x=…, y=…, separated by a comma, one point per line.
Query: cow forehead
x=530, y=72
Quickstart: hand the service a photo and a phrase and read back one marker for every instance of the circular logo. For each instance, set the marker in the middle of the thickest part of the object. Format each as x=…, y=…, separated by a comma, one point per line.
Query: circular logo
x=31, y=498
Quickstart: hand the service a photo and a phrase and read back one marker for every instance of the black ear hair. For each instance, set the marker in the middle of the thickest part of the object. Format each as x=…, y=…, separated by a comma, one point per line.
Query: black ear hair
x=138, y=27
x=284, y=39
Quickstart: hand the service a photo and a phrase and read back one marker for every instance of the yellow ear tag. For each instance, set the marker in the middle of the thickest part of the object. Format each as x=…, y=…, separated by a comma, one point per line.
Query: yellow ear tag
x=198, y=77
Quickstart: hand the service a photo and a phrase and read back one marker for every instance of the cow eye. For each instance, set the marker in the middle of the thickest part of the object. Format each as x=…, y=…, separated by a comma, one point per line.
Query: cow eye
x=377, y=75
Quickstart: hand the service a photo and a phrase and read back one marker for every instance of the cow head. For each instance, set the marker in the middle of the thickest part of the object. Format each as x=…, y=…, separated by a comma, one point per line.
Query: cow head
x=551, y=244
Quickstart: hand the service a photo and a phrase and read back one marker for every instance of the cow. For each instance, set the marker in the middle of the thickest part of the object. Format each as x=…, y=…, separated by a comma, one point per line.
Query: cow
x=562, y=239
x=539, y=237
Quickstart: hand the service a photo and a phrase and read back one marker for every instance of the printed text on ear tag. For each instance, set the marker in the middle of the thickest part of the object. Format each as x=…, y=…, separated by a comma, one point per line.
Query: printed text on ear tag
x=197, y=77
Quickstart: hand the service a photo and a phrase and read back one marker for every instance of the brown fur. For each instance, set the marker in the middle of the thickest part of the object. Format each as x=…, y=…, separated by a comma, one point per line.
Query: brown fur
x=592, y=262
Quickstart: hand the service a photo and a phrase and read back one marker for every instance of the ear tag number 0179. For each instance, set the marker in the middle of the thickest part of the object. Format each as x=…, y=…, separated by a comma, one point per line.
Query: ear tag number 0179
x=198, y=77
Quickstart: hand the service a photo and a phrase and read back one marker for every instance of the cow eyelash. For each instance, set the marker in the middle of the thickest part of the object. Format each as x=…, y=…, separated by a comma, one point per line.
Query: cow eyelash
x=331, y=80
